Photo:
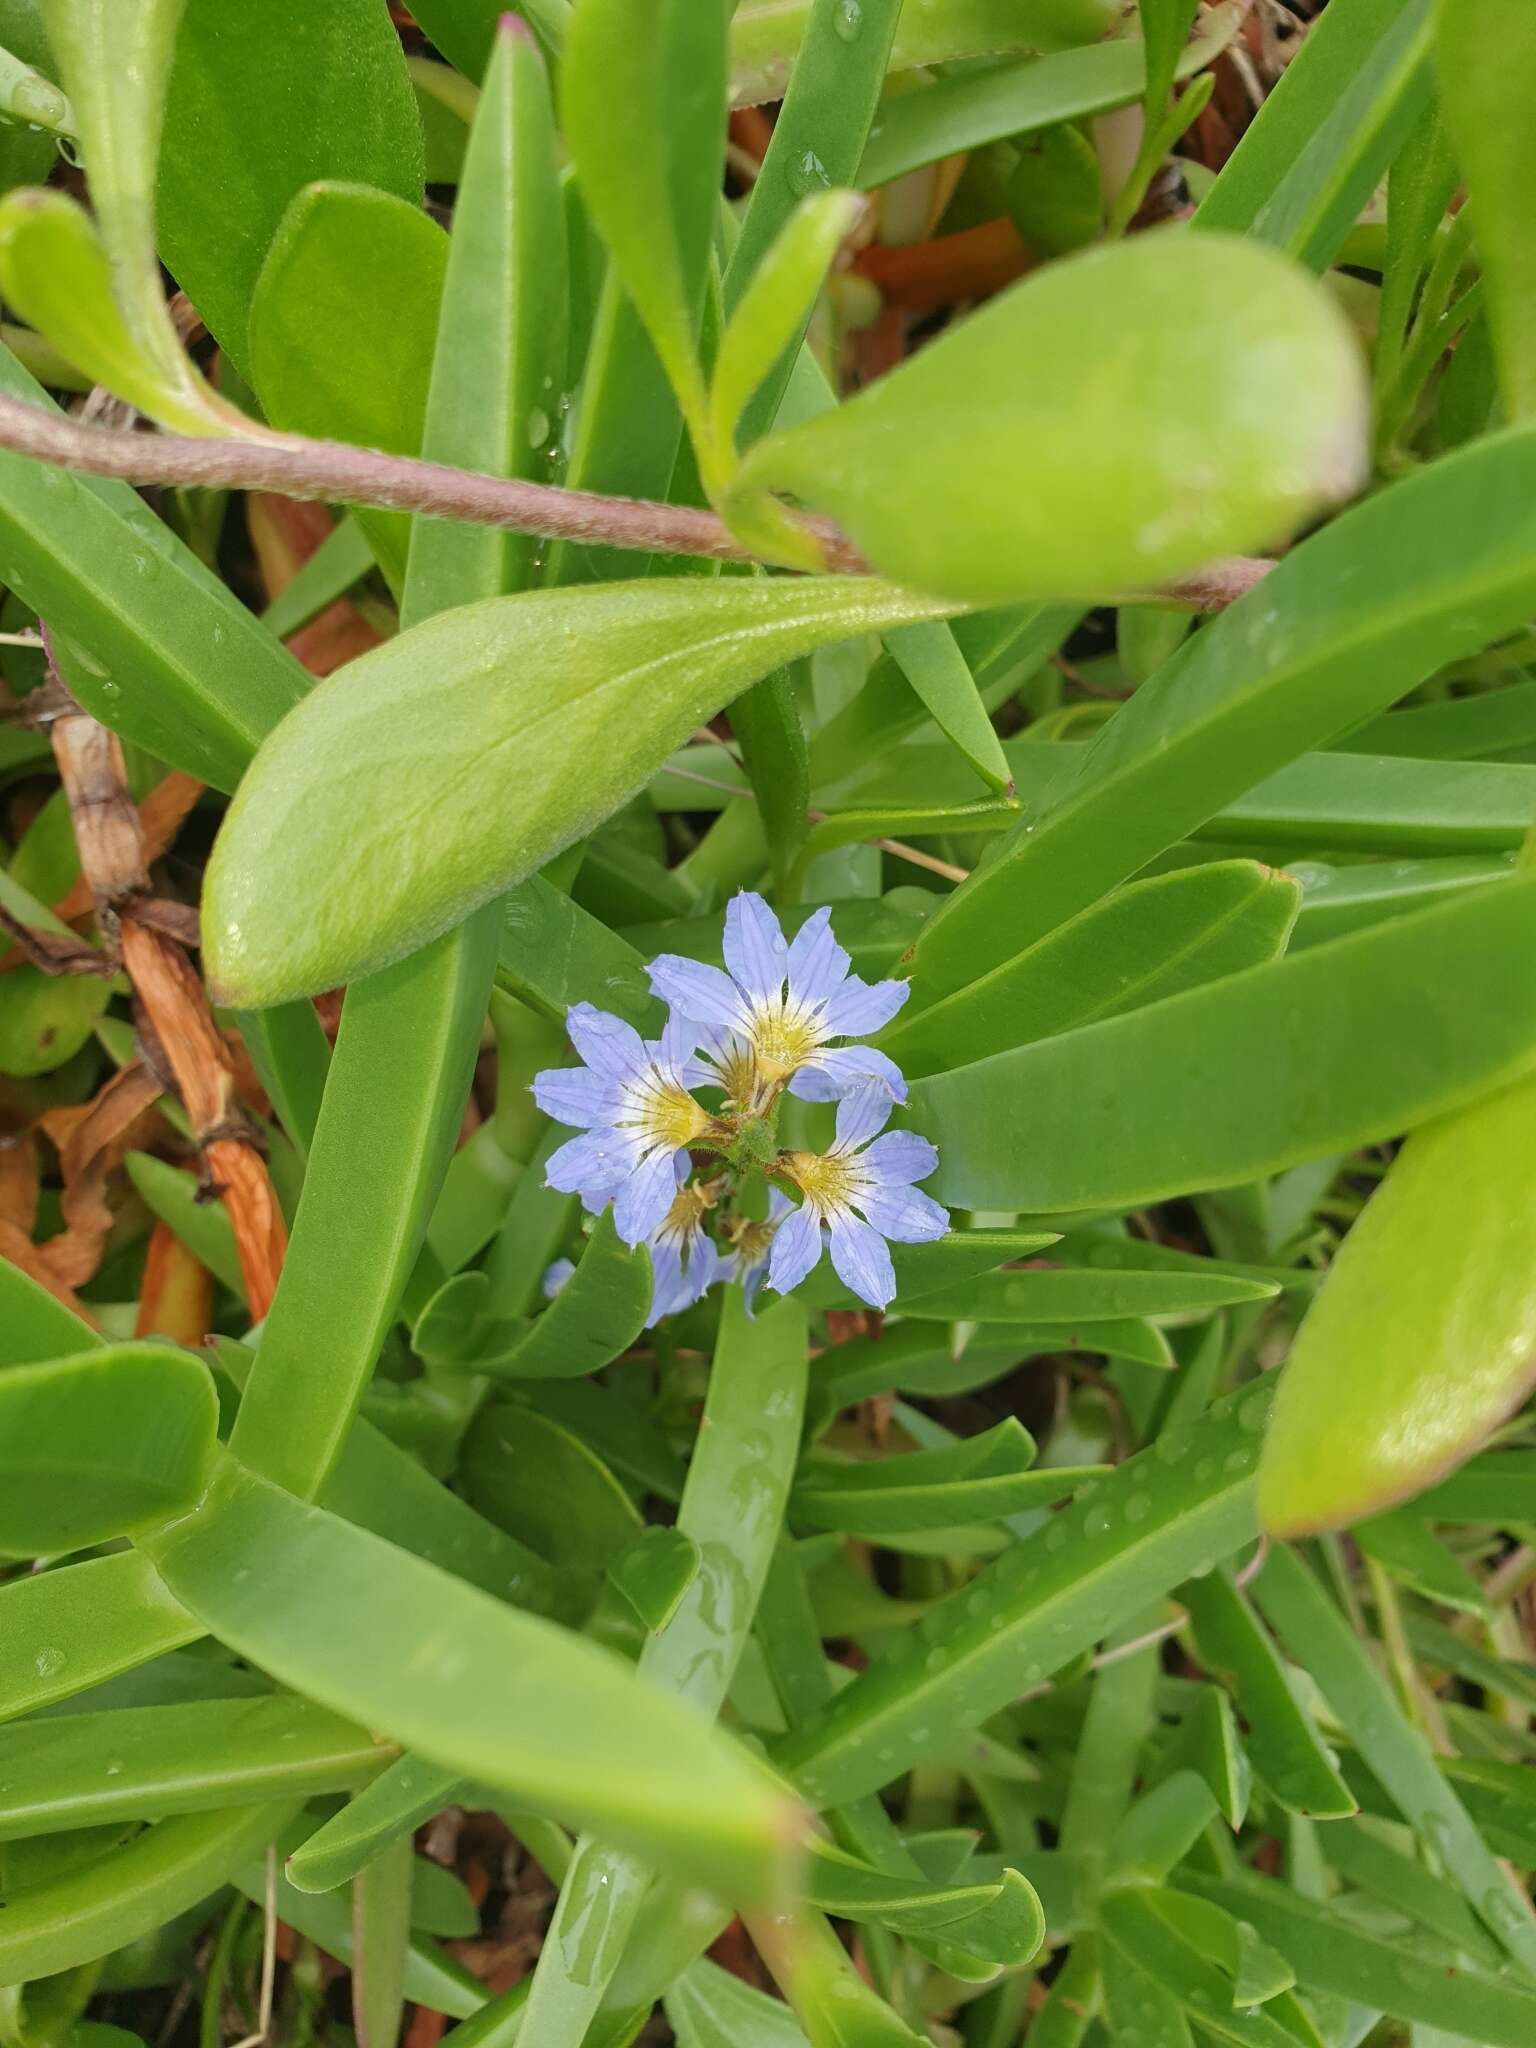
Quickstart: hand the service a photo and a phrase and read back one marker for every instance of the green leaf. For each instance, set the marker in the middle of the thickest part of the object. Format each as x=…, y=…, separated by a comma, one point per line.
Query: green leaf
x=1498, y=1486
x=36, y=1325
x=1421, y=1340
x=1485, y=64
x=395, y=1803
x=1401, y=1544
x=1329, y=1953
x=1122, y=1544
x=954, y=425
x=82, y=1770
x=262, y=102
x=342, y=325
x=101, y=1445
x=554, y=953
x=1255, y=1073
x=174, y=1195
x=131, y=1891
x=1286, y=1749
x=56, y=273
x=989, y=103
x=589, y=693
x=1425, y=572
x=711, y=2008
x=67, y=1630
x=544, y=1483
x=1364, y=1860
x=732, y=1509
x=765, y=722
x=1137, y=1923
x=1147, y=941
x=980, y=1479
x=776, y=303
x=381, y=1929
x=1325, y=135
x=654, y=1572
x=116, y=63
x=393, y=1104
x=596, y=1316
x=1068, y=1295
x=1141, y=2007
x=549, y=1719
x=932, y=663
x=432, y=1978
x=1207, y=1743
x=504, y=303
x=643, y=95
x=1321, y=1641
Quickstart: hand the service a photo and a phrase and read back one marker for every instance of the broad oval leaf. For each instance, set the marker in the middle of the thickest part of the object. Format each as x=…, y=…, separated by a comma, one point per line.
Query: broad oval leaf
x=1423, y=1337
x=1054, y=482
x=431, y=774
x=262, y=101
x=101, y=1445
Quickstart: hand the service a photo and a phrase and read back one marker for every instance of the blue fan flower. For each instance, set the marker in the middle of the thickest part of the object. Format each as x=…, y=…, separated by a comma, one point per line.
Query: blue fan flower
x=751, y=1243
x=771, y=1020
x=684, y=1257
x=857, y=1195
x=636, y=1116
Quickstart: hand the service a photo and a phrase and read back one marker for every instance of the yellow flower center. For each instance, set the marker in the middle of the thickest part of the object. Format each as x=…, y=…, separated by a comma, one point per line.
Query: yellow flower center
x=784, y=1038
x=751, y=1239
x=828, y=1180
x=690, y=1206
x=664, y=1114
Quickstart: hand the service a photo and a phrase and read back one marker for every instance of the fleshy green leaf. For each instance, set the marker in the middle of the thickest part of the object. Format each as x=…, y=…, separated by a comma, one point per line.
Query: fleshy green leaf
x=102, y=1445
x=597, y=1314
x=262, y=102
x=501, y=1696
x=1423, y=1337
x=1133, y=1536
x=1274, y=433
x=1252, y=1074
x=1147, y=941
x=36, y=1325
x=1485, y=63
x=477, y=745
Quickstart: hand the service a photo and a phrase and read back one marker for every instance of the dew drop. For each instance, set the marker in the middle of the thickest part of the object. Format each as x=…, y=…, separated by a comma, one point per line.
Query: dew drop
x=808, y=174
x=848, y=20
x=1170, y=1450
x=1056, y=1535
x=1099, y=1519
x=1238, y=1461
x=537, y=427
x=1205, y=1468
x=48, y=1663
x=113, y=1767
x=145, y=567
x=1254, y=1412
x=1138, y=1507
x=41, y=104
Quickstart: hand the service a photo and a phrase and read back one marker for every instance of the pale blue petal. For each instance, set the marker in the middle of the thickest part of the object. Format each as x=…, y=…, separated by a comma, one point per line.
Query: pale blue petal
x=900, y=1157
x=667, y=1283
x=576, y=1095
x=906, y=1215
x=555, y=1277
x=705, y=1265
x=593, y=1166
x=645, y=1197
x=833, y=1074
x=678, y=1038
x=609, y=1046
x=796, y=1249
x=860, y=1114
x=698, y=991
x=755, y=951
x=818, y=966
x=751, y=1283
x=859, y=1254
x=860, y=1007
x=779, y=1205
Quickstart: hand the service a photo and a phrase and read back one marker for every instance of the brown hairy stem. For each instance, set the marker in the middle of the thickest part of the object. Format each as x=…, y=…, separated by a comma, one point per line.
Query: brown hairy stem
x=331, y=471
